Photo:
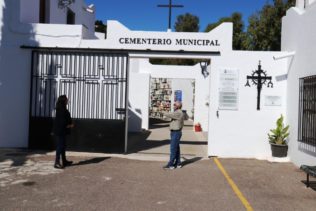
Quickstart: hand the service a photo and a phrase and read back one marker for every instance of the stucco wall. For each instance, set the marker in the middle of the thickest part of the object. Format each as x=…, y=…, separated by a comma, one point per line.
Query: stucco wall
x=59, y=16
x=187, y=97
x=29, y=13
x=15, y=66
x=138, y=102
x=243, y=132
x=299, y=35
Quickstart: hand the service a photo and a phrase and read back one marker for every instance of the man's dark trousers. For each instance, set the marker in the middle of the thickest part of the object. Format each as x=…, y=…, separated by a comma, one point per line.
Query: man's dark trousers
x=175, y=147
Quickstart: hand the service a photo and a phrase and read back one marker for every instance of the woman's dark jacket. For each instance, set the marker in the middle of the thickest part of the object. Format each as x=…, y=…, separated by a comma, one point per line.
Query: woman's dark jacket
x=61, y=121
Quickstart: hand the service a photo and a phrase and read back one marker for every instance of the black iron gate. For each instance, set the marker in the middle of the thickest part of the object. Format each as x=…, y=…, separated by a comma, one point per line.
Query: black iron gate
x=96, y=86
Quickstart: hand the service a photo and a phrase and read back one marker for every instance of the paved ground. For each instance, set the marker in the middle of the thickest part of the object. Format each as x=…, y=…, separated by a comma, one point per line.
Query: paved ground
x=136, y=181
x=28, y=182
x=156, y=141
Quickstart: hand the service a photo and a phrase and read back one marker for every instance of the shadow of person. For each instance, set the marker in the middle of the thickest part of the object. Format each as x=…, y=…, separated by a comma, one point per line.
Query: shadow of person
x=90, y=161
x=147, y=145
x=189, y=161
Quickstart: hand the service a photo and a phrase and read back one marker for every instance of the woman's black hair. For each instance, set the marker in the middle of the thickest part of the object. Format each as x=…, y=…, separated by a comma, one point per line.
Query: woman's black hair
x=61, y=102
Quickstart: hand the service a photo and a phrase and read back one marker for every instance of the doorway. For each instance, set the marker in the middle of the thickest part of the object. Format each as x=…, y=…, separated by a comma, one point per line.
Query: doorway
x=168, y=84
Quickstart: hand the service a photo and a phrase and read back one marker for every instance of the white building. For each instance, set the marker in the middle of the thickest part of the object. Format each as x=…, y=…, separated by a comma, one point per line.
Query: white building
x=299, y=38
x=223, y=105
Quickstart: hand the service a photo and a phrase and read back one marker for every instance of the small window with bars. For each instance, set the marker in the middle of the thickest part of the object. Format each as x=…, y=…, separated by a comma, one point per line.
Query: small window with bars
x=307, y=111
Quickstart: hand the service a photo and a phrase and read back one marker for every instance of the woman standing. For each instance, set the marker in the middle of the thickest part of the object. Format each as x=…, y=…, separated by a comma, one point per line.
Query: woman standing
x=62, y=125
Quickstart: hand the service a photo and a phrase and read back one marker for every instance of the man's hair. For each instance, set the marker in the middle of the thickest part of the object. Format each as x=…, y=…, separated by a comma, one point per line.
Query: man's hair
x=179, y=104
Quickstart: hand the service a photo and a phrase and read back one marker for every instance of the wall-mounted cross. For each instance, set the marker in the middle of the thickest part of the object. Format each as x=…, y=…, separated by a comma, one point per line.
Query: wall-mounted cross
x=170, y=6
x=259, y=78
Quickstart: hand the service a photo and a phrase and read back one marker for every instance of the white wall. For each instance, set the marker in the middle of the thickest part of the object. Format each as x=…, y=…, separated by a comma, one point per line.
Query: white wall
x=138, y=101
x=29, y=11
x=301, y=4
x=299, y=35
x=243, y=132
x=84, y=16
x=185, y=85
x=14, y=90
x=142, y=66
x=55, y=34
x=58, y=16
x=15, y=66
x=311, y=2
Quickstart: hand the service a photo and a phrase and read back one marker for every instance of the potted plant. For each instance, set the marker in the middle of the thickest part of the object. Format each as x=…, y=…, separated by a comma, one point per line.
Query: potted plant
x=277, y=138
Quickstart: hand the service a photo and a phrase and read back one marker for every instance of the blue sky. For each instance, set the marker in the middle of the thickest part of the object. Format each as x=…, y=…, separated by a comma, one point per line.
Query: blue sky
x=145, y=15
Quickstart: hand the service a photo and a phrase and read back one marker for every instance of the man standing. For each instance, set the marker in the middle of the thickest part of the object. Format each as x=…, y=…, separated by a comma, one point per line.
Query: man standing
x=176, y=125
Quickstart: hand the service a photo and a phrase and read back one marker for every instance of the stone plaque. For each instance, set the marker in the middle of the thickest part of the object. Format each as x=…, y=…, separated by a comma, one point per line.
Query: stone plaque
x=273, y=101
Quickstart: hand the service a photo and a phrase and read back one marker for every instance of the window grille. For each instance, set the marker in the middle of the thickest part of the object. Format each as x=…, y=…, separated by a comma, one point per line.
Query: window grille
x=307, y=111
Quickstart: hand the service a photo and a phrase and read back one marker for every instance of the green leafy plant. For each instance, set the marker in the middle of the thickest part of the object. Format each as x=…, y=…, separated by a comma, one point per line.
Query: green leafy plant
x=280, y=133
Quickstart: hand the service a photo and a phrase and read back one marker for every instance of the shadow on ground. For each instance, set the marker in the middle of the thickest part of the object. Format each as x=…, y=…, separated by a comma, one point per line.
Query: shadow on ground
x=91, y=161
x=18, y=156
x=190, y=161
x=194, y=142
x=138, y=142
x=161, y=123
x=158, y=123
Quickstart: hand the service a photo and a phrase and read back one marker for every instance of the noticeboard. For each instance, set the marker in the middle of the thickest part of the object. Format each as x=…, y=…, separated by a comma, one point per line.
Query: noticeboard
x=228, y=89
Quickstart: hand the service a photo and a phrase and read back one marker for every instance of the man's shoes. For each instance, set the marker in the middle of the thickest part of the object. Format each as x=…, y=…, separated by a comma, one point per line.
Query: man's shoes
x=179, y=166
x=168, y=167
x=68, y=163
x=58, y=166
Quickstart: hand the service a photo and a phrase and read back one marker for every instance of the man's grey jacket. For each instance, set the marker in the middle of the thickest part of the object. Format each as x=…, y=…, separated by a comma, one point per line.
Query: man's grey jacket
x=177, y=119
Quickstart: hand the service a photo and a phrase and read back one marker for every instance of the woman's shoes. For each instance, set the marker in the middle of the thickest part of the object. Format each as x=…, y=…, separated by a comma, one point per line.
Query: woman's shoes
x=58, y=166
x=67, y=163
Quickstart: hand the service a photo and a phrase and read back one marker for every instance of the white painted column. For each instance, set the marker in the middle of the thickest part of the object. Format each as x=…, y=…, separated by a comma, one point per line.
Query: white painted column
x=300, y=4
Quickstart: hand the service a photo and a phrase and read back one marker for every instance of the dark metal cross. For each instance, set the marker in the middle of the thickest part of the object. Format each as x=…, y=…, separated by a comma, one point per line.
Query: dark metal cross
x=259, y=78
x=170, y=6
